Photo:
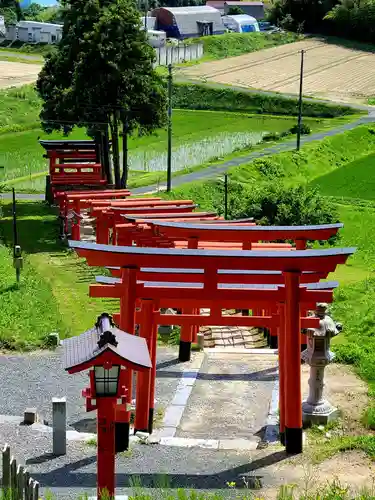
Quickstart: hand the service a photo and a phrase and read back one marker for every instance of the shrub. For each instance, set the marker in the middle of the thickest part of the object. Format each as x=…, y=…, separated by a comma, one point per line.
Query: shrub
x=268, y=204
x=272, y=136
x=190, y=96
x=305, y=129
x=284, y=206
x=269, y=169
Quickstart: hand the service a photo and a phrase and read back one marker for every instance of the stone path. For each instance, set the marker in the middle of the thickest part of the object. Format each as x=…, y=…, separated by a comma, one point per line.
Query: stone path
x=230, y=398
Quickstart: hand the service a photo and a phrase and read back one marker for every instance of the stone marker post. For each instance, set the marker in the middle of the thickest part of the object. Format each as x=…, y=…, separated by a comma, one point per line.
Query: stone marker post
x=315, y=409
x=59, y=426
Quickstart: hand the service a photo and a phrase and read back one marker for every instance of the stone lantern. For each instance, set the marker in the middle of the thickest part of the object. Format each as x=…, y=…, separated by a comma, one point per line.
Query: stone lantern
x=315, y=409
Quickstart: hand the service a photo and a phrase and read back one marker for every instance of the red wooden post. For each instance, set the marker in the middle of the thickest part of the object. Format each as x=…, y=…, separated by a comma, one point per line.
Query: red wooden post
x=144, y=378
x=76, y=221
x=293, y=399
x=301, y=244
x=186, y=337
x=195, y=329
x=127, y=324
x=153, y=344
x=106, y=447
x=281, y=348
x=102, y=229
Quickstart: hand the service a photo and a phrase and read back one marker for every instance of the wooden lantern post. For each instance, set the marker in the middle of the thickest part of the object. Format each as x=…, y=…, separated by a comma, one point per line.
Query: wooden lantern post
x=110, y=354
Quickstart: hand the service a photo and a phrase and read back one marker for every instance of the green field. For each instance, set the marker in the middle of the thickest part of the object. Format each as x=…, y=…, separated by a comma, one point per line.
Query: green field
x=354, y=180
x=235, y=44
x=198, y=136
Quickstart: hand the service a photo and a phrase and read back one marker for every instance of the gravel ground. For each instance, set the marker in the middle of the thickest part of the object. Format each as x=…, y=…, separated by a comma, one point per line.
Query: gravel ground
x=230, y=398
x=32, y=380
x=35, y=378
x=151, y=466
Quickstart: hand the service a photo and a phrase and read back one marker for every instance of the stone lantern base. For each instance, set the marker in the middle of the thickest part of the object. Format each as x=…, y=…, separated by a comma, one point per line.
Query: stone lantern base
x=319, y=414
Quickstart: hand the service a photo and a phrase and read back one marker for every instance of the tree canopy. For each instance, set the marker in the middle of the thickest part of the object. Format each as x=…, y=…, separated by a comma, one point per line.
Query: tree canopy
x=102, y=74
x=235, y=10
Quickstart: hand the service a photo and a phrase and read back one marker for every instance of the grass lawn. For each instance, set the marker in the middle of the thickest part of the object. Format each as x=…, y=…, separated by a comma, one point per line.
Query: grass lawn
x=53, y=292
x=235, y=44
x=354, y=180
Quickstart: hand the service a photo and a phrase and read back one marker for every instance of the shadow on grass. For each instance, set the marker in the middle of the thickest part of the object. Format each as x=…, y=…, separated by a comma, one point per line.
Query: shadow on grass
x=37, y=227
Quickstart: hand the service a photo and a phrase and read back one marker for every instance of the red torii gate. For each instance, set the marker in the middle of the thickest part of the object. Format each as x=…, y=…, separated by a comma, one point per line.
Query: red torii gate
x=194, y=233
x=292, y=265
x=108, y=216
x=144, y=406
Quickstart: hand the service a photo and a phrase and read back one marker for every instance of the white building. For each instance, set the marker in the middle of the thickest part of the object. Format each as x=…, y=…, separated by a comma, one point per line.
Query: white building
x=34, y=32
x=241, y=23
x=185, y=22
x=2, y=28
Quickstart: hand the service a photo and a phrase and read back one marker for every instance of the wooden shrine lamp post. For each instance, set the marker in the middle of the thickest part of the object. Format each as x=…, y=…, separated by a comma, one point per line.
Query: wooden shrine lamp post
x=109, y=353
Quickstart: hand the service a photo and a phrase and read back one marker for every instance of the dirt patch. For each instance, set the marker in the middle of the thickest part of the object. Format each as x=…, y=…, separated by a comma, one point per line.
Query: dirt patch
x=345, y=390
x=331, y=71
x=15, y=74
x=351, y=470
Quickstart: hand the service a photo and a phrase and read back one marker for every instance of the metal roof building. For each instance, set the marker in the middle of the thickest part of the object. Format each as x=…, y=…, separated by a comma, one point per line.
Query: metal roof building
x=187, y=22
x=254, y=9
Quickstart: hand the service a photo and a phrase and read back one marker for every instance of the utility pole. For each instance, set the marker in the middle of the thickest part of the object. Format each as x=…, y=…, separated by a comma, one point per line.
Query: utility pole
x=169, y=157
x=300, y=102
x=146, y=12
x=226, y=196
x=17, y=254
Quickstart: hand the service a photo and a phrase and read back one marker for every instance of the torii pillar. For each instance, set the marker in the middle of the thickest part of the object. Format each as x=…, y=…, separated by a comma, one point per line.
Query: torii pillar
x=292, y=387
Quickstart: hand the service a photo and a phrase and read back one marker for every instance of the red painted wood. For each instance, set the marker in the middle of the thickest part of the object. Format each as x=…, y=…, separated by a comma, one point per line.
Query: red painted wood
x=144, y=378
x=282, y=363
x=106, y=447
x=308, y=260
x=293, y=398
x=127, y=319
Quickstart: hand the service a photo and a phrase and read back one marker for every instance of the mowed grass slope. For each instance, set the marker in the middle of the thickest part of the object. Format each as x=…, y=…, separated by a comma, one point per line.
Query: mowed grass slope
x=53, y=291
x=235, y=44
x=342, y=167
x=354, y=180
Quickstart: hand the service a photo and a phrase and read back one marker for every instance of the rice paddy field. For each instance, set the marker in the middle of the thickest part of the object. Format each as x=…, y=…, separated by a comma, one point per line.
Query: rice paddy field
x=331, y=71
x=198, y=138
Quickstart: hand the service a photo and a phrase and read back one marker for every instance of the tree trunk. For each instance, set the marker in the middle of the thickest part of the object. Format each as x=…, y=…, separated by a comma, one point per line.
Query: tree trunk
x=115, y=151
x=125, y=171
x=105, y=155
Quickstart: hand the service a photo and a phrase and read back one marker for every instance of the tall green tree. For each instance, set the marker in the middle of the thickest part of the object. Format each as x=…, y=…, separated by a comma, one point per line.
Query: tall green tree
x=11, y=10
x=101, y=75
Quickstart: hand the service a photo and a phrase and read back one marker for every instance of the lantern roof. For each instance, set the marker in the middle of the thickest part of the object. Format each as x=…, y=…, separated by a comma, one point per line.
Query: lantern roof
x=115, y=346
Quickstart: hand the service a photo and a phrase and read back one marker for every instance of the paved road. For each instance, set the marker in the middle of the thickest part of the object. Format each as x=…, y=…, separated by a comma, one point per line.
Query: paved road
x=21, y=55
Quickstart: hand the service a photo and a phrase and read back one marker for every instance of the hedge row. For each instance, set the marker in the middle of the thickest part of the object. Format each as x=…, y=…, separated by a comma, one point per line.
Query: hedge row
x=195, y=96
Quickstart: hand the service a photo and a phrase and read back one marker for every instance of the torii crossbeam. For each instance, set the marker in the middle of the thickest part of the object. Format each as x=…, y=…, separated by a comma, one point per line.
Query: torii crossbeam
x=291, y=264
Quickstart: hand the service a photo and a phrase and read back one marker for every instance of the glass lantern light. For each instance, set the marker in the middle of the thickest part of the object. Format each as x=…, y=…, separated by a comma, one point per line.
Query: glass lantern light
x=106, y=380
